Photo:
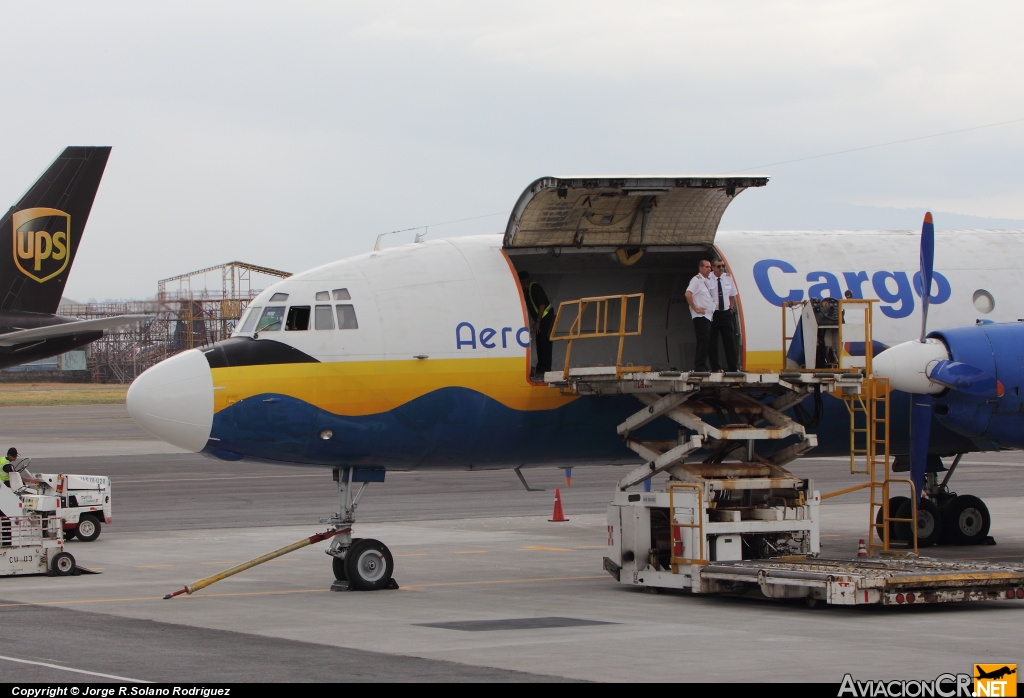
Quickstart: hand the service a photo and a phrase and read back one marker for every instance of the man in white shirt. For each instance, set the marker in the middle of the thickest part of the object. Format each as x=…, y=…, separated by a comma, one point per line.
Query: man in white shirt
x=702, y=309
x=723, y=323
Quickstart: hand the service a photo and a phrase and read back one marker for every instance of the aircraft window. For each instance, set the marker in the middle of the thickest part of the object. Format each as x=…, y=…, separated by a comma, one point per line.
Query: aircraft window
x=347, y=318
x=983, y=301
x=271, y=319
x=298, y=318
x=279, y=298
x=323, y=296
x=341, y=294
x=250, y=319
x=324, y=317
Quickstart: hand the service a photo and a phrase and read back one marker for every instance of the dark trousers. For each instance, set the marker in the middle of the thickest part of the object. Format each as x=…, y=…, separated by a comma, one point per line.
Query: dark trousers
x=724, y=326
x=543, y=338
x=702, y=331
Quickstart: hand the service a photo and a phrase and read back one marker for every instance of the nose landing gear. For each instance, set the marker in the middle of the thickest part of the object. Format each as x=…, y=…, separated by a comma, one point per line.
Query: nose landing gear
x=359, y=564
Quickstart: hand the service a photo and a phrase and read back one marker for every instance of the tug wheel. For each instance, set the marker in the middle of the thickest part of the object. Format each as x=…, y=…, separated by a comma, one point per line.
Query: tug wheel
x=369, y=565
x=88, y=528
x=63, y=564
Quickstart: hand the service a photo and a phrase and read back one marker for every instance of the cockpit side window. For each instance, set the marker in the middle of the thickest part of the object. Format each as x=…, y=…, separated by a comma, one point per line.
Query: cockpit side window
x=341, y=294
x=250, y=319
x=347, y=318
x=324, y=317
x=298, y=318
x=271, y=319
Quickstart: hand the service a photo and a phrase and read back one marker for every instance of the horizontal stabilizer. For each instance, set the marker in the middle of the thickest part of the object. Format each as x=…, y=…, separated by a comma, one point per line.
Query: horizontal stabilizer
x=67, y=329
x=965, y=379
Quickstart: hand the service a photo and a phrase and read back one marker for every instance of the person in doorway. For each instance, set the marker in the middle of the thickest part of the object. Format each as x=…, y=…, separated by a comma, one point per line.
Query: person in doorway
x=542, y=317
x=702, y=308
x=723, y=325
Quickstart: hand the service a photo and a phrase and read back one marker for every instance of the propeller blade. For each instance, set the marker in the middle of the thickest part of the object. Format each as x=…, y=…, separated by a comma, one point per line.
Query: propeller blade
x=965, y=379
x=920, y=425
x=927, y=264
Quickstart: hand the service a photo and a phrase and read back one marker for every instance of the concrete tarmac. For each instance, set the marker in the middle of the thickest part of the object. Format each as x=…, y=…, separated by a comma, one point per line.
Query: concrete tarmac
x=490, y=590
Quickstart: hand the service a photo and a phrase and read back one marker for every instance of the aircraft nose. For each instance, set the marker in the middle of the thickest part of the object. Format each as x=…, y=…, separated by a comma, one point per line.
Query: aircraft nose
x=174, y=400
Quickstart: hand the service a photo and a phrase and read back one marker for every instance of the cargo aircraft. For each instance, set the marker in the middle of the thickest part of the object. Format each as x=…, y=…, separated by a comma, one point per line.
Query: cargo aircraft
x=45, y=228
x=419, y=356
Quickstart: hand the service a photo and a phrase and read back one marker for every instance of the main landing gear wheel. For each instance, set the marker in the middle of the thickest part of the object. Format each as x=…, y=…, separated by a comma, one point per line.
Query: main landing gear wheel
x=929, y=523
x=967, y=520
x=894, y=506
x=88, y=528
x=369, y=565
x=63, y=564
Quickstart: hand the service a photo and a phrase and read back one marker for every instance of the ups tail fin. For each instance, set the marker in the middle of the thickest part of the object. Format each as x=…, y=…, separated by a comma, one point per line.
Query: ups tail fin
x=39, y=235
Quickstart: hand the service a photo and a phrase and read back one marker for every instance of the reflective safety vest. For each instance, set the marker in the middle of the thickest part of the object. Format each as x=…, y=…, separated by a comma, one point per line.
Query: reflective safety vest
x=5, y=477
x=536, y=310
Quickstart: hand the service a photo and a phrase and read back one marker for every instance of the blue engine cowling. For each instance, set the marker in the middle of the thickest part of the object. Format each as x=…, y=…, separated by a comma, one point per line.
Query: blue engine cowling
x=997, y=349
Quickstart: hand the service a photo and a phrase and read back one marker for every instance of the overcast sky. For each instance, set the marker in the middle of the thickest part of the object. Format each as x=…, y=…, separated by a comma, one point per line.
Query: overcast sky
x=290, y=134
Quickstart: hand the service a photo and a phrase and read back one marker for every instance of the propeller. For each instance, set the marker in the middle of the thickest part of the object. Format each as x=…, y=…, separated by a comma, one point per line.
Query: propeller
x=925, y=368
x=921, y=403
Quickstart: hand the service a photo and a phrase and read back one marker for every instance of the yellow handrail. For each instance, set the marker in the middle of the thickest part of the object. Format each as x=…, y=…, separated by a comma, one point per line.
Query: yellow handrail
x=601, y=306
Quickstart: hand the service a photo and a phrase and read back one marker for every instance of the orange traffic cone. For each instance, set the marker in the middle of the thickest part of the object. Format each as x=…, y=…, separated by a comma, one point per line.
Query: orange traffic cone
x=558, y=515
x=862, y=549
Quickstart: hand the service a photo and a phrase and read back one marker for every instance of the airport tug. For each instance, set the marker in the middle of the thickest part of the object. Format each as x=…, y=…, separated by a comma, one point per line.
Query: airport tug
x=31, y=531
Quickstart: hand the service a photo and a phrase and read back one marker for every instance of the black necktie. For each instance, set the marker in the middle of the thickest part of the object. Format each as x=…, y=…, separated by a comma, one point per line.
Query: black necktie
x=721, y=298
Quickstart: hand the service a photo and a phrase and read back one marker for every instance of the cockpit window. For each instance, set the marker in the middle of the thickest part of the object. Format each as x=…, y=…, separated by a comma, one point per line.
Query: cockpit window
x=324, y=317
x=298, y=318
x=279, y=298
x=323, y=296
x=347, y=318
x=271, y=319
x=250, y=319
x=341, y=294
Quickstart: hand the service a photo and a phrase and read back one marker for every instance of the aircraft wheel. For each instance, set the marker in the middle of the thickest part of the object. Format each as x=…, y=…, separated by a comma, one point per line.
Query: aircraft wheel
x=63, y=564
x=894, y=506
x=369, y=565
x=968, y=520
x=338, y=564
x=929, y=523
x=88, y=528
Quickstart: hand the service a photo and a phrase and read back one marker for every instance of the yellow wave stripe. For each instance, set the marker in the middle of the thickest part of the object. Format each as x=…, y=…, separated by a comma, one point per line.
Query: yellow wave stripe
x=359, y=388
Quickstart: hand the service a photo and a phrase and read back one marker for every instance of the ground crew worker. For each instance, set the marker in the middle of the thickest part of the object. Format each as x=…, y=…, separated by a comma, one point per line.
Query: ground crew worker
x=7, y=465
x=542, y=317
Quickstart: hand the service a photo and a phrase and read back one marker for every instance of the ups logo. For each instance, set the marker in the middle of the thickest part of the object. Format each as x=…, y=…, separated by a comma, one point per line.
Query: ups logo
x=41, y=240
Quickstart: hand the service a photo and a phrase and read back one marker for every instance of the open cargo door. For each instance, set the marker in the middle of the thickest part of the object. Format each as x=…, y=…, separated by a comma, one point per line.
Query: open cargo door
x=623, y=212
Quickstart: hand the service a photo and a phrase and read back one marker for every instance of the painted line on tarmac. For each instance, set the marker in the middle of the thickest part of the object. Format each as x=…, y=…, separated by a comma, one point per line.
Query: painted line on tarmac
x=220, y=477
x=283, y=592
x=415, y=587
x=472, y=552
x=77, y=671
x=544, y=548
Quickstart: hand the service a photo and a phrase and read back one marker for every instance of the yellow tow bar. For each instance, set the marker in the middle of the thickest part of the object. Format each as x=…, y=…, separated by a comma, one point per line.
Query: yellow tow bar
x=207, y=581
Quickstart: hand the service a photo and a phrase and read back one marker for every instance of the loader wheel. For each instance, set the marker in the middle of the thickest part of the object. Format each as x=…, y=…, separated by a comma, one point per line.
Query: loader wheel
x=63, y=564
x=88, y=528
x=69, y=533
x=369, y=565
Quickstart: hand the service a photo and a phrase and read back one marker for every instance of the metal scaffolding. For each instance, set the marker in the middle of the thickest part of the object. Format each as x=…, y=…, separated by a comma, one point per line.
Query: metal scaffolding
x=186, y=313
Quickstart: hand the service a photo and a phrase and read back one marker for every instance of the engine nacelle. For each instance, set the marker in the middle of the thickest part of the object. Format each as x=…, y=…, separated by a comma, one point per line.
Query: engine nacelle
x=996, y=349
